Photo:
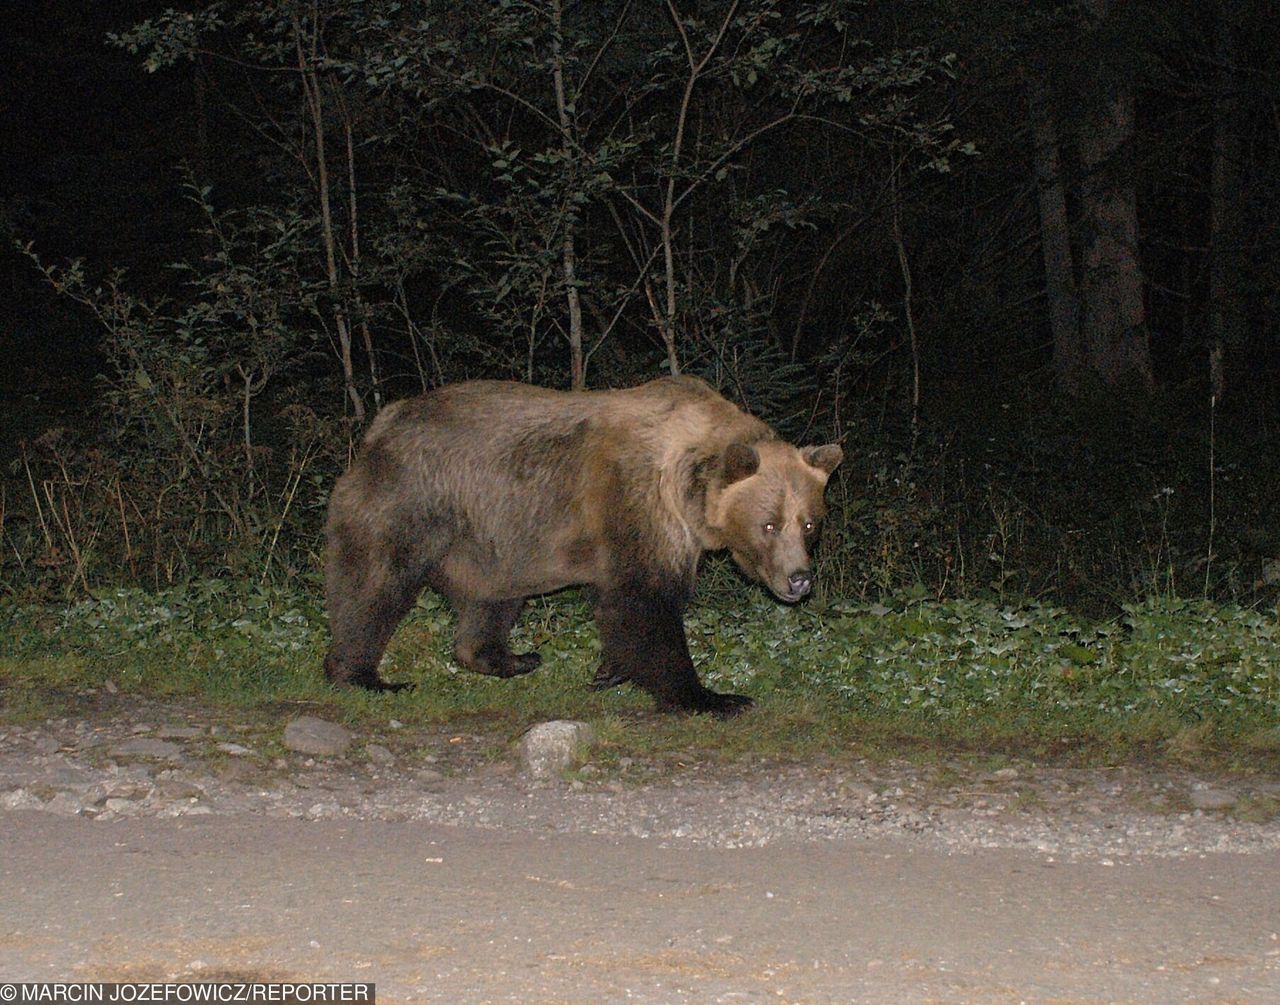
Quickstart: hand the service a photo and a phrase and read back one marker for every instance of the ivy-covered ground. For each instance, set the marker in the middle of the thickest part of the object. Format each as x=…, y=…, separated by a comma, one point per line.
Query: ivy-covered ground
x=1167, y=679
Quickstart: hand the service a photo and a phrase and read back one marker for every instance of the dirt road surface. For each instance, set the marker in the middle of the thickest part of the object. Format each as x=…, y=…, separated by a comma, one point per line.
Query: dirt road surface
x=145, y=841
x=449, y=913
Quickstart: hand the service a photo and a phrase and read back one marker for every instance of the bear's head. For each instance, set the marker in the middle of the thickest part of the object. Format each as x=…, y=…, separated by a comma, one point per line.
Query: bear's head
x=766, y=508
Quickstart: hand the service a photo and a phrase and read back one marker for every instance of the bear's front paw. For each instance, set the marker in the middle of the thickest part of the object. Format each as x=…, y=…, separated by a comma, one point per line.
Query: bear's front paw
x=523, y=663
x=505, y=664
x=704, y=702
x=608, y=676
x=726, y=706
x=376, y=683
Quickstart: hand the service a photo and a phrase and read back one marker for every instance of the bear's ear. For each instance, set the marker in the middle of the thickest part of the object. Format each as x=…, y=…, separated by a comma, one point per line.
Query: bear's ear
x=740, y=461
x=826, y=458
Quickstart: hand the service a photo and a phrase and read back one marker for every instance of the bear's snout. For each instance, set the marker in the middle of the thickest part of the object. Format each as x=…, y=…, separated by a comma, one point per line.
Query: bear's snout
x=790, y=587
x=800, y=583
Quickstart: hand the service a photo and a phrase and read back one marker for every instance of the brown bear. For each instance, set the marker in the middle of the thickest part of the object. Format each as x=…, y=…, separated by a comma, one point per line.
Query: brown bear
x=490, y=492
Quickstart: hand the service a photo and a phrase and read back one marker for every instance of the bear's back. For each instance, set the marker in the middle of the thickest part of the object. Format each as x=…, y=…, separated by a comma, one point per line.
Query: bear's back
x=665, y=416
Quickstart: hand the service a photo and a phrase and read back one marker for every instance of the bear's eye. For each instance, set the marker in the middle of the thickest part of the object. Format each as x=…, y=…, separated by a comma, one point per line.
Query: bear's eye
x=808, y=526
x=771, y=528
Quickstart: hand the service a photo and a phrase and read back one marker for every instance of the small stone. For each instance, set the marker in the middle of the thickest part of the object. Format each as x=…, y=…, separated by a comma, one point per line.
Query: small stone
x=1209, y=798
x=1005, y=774
x=309, y=735
x=62, y=773
x=177, y=788
x=65, y=804
x=180, y=732
x=145, y=746
x=46, y=745
x=379, y=754
x=235, y=770
x=234, y=749
x=20, y=799
x=126, y=789
x=552, y=747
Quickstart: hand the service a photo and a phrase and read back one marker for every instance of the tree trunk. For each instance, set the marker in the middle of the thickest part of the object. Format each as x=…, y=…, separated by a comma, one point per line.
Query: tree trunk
x=1055, y=241
x=200, y=85
x=315, y=106
x=1115, y=342
x=905, y=266
x=568, y=247
x=1227, y=211
x=353, y=264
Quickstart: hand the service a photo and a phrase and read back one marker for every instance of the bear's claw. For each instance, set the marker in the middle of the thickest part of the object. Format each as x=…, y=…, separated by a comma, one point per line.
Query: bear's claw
x=606, y=678
x=503, y=664
x=722, y=706
x=374, y=683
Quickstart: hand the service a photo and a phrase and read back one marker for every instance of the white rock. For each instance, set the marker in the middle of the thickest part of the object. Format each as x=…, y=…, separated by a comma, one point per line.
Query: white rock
x=552, y=747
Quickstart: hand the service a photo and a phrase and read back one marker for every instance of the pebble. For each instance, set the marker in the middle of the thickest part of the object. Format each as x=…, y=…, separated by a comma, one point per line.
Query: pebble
x=1208, y=798
x=379, y=754
x=308, y=735
x=21, y=799
x=180, y=732
x=67, y=804
x=145, y=746
x=177, y=788
x=127, y=788
x=46, y=745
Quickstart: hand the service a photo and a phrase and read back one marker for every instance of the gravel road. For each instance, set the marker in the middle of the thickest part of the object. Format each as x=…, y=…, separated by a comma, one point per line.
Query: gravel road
x=147, y=844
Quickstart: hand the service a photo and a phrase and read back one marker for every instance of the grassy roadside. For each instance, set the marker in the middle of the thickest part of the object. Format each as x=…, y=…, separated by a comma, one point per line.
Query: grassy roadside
x=1177, y=681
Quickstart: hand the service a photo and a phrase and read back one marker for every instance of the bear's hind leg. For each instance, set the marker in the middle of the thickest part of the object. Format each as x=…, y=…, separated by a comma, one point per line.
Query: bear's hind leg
x=481, y=638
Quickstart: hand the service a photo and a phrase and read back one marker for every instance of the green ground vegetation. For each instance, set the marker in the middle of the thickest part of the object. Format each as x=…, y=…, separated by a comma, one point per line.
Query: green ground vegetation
x=1172, y=680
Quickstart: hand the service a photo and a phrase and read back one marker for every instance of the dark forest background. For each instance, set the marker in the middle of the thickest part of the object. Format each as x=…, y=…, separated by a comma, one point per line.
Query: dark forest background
x=1023, y=259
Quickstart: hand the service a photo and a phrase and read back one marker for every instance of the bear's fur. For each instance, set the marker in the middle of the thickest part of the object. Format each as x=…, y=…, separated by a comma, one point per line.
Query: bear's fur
x=490, y=492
